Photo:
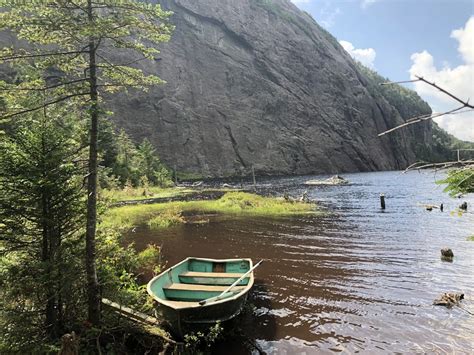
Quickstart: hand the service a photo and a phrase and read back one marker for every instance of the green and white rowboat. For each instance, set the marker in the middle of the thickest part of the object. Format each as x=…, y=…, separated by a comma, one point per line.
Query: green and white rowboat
x=198, y=291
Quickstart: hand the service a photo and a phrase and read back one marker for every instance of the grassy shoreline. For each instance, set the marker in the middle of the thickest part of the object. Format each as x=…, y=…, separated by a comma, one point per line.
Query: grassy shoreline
x=163, y=215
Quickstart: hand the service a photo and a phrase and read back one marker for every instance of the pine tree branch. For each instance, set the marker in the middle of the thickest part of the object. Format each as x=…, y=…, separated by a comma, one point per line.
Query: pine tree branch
x=44, y=105
x=46, y=87
x=42, y=55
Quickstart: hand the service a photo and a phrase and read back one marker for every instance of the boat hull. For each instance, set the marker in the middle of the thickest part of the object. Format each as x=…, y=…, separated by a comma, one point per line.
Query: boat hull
x=184, y=321
x=179, y=290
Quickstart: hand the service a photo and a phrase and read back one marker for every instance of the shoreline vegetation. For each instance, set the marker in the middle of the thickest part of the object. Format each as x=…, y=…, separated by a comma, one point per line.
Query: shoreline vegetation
x=167, y=214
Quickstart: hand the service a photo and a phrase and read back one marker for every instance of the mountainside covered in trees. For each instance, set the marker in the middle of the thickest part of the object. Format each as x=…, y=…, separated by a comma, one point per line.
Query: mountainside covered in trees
x=259, y=82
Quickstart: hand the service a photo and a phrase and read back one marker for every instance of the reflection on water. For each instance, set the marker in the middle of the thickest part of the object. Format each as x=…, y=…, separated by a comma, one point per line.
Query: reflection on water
x=357, y=279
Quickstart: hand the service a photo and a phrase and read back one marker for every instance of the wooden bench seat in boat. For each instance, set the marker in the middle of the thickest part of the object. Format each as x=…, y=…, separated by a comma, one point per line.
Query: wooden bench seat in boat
x=194, y=292
x=211, y=278
x=211, y=274
x=182, y=304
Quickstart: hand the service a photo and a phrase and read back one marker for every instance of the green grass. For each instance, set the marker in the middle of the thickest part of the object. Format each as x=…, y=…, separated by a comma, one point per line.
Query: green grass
x=471, y=238
x=167, y=218
x=163, y=215
x=186, y=176
x=137, y=193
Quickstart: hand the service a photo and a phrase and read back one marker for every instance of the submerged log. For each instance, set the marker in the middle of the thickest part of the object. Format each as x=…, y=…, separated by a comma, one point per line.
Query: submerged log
x=449, y=299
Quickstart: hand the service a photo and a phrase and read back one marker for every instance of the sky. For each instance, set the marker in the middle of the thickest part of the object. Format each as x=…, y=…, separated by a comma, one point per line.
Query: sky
x=403, y=38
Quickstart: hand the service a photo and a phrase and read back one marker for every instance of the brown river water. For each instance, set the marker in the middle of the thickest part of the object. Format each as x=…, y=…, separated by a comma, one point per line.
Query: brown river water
x=356, y=280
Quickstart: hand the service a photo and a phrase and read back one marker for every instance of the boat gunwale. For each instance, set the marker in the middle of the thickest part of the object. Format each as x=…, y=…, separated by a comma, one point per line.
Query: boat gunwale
x=168, y=303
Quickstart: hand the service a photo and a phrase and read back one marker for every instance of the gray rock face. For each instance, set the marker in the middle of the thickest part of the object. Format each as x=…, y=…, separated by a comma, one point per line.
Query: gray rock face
x=259, y=82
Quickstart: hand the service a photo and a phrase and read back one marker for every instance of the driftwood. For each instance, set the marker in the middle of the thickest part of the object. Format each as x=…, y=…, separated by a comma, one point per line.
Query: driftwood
x=449, y=299
x=410, y=121
x=334, y=180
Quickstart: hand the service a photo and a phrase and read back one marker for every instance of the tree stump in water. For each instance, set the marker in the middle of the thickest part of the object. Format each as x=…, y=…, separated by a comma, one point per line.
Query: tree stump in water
x=69, y=344
x=447, y=254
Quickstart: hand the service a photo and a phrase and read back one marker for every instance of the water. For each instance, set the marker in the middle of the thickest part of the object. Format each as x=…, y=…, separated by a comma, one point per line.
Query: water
x=355, y=280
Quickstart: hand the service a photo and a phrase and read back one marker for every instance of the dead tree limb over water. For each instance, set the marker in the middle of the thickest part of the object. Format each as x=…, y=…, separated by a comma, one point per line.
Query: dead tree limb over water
x=416, y=119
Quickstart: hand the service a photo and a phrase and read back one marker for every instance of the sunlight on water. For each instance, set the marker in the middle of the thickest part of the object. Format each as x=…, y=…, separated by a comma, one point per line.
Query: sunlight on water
x=357, y=279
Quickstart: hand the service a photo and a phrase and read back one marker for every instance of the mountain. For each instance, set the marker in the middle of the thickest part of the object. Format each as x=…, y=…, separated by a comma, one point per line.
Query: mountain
x=259, y=83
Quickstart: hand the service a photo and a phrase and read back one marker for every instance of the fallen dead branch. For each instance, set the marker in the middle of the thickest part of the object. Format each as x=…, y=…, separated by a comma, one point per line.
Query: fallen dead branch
x=410, y=121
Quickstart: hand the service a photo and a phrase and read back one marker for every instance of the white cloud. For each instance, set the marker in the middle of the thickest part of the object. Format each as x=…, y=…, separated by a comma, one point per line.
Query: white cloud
x=364, y=55
x=328, y=15
x=465, y=37
x=366, y=3
x=461, y=126
x=458, y=80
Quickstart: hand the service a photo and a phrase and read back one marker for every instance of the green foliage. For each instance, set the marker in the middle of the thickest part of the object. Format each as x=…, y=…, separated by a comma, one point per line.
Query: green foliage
x=149, y=258
x=62, y=65
x=459, y=181
x=443, y=146
x=169, y=217
x=471, y=238
x=131, y=164
x=40, y=235
x=136, y=193
x=236, y=203
x=407, y=102
x=200, y=342
x=119, y=268
x=60, y=33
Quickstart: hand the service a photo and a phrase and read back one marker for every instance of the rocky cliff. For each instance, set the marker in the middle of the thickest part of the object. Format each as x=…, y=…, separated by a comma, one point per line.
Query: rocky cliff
x=259, y=82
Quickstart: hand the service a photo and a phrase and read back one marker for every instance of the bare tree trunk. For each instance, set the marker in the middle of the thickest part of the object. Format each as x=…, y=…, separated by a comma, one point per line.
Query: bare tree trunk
x=50, y=321
x=93, y=291
x=47, y=252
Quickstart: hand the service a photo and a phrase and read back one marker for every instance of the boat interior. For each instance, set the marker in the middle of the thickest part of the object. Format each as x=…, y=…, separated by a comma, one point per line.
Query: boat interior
x=194, y=280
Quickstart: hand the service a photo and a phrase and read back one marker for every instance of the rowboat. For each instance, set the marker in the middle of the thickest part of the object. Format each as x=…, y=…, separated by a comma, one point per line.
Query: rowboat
x=199, y=292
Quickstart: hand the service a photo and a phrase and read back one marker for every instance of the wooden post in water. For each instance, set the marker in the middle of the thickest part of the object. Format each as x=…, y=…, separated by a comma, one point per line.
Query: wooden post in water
x=253, y=177
x=382, y=201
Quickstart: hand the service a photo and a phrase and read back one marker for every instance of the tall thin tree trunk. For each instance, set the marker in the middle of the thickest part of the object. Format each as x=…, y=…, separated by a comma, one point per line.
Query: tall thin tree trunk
x=47, y=249
x=50, y=321
x=93, y=291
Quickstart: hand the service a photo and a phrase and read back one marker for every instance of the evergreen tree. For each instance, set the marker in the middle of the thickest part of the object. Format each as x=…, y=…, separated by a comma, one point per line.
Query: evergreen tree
x=41, y=211
x=151, y=166
x=72, y=43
